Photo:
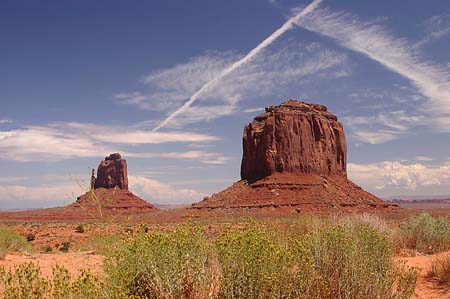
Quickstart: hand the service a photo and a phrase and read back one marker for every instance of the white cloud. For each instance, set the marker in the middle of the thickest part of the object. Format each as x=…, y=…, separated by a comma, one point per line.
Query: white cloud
x=202, y=156
x=267, y=74
x=20, y=196
x=5, y=121
x=252, y=110
x=396, y=54
x=376, y=137
x=424, y=158
x=74, y=140
x=65, y=192
x=157, y=192
x=401, y=177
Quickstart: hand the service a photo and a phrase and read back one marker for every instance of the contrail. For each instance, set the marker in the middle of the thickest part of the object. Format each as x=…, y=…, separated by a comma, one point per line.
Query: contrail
x=289, y=24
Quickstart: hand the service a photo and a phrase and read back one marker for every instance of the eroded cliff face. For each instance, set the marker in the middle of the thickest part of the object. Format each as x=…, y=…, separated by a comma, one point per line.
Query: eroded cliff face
x=294, y=160
x=112, y=172
x=294, y=137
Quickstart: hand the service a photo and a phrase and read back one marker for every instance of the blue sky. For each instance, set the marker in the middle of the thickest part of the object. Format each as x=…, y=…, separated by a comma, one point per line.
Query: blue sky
x=82, y=79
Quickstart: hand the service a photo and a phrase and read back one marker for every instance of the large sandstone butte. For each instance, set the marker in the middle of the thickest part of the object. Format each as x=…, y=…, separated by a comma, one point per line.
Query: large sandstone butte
x=109, y=190
x=294, y=159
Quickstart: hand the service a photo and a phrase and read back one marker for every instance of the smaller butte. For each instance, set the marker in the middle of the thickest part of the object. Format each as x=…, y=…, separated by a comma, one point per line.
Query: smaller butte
x=294, y=159
x=109, y=190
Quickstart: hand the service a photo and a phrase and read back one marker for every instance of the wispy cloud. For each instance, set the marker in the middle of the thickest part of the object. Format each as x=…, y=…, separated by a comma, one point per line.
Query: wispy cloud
x=74, y=140
x=289, y=24
x=382, y=127
x=267, y=74
x=396, y=54
x=436, y=27
x=5, y=121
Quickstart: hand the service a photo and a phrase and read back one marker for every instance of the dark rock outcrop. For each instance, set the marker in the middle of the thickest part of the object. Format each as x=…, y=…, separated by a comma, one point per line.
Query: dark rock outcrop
x=294, y=160
x=112, y=172
x=294, y=137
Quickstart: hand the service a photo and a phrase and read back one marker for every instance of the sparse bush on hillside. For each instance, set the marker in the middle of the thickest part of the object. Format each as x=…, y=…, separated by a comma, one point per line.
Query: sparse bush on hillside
x=424, y=233
x=11, y=241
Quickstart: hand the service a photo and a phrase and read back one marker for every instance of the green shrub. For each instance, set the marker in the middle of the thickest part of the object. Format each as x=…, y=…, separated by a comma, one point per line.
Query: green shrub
x=335, y=261
x=47, y=248
x=31, y=237
x=162, y=264
x=26, y=282
x=65, y=246
x=79, y=228
x=11, y=241
x=253, y=264
x=424, y=233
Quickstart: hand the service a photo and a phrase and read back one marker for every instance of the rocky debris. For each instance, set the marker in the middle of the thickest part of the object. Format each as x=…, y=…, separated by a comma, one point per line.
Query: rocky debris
x=294, y=160
x=112, y=172
x=294, y=137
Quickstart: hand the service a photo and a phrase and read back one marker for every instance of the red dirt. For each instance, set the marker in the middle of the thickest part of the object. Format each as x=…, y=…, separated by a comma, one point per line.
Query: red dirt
x=427, y=288
x=73, y=262
x=288, y=192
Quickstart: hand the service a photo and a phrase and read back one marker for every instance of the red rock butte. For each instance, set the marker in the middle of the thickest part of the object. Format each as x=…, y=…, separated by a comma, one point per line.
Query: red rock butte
x=109, y=190
x=294, y=159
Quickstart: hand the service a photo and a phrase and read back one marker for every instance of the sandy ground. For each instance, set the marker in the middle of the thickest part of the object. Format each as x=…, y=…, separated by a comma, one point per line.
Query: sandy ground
x=74, y=262
x=427, y=288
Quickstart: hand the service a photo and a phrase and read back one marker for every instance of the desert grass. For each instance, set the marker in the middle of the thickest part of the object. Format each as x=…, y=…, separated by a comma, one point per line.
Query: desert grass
x=424, y=234
x=11, y=241
x=310, y=258
x=440, y=270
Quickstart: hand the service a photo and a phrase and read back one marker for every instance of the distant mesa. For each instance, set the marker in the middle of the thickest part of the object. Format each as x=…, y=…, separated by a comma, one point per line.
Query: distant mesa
x=109, y=190
x=294, y=159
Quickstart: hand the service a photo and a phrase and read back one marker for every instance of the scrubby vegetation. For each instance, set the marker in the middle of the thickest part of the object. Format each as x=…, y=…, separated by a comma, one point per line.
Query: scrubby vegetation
x=26, y=282
x=304, y=258
x=424, y=234
x=440, y=270
x=11, y=241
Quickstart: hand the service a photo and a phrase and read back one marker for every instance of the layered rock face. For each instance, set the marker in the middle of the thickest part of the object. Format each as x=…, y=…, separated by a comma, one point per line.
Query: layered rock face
x=112, y=172
x=294, y=137
x=294, y=159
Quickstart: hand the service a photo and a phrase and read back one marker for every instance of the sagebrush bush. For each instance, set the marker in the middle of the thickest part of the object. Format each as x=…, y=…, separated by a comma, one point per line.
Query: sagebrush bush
x=162, y=265
x=11, y=241
x=335, y=261
x=424, y=233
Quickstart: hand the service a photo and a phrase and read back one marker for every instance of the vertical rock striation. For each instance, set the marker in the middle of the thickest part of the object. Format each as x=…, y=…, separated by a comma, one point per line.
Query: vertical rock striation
x=294, y=137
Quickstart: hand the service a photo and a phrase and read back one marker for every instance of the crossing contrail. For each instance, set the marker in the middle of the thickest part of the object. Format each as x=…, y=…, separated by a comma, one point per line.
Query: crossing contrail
x=289, y=24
